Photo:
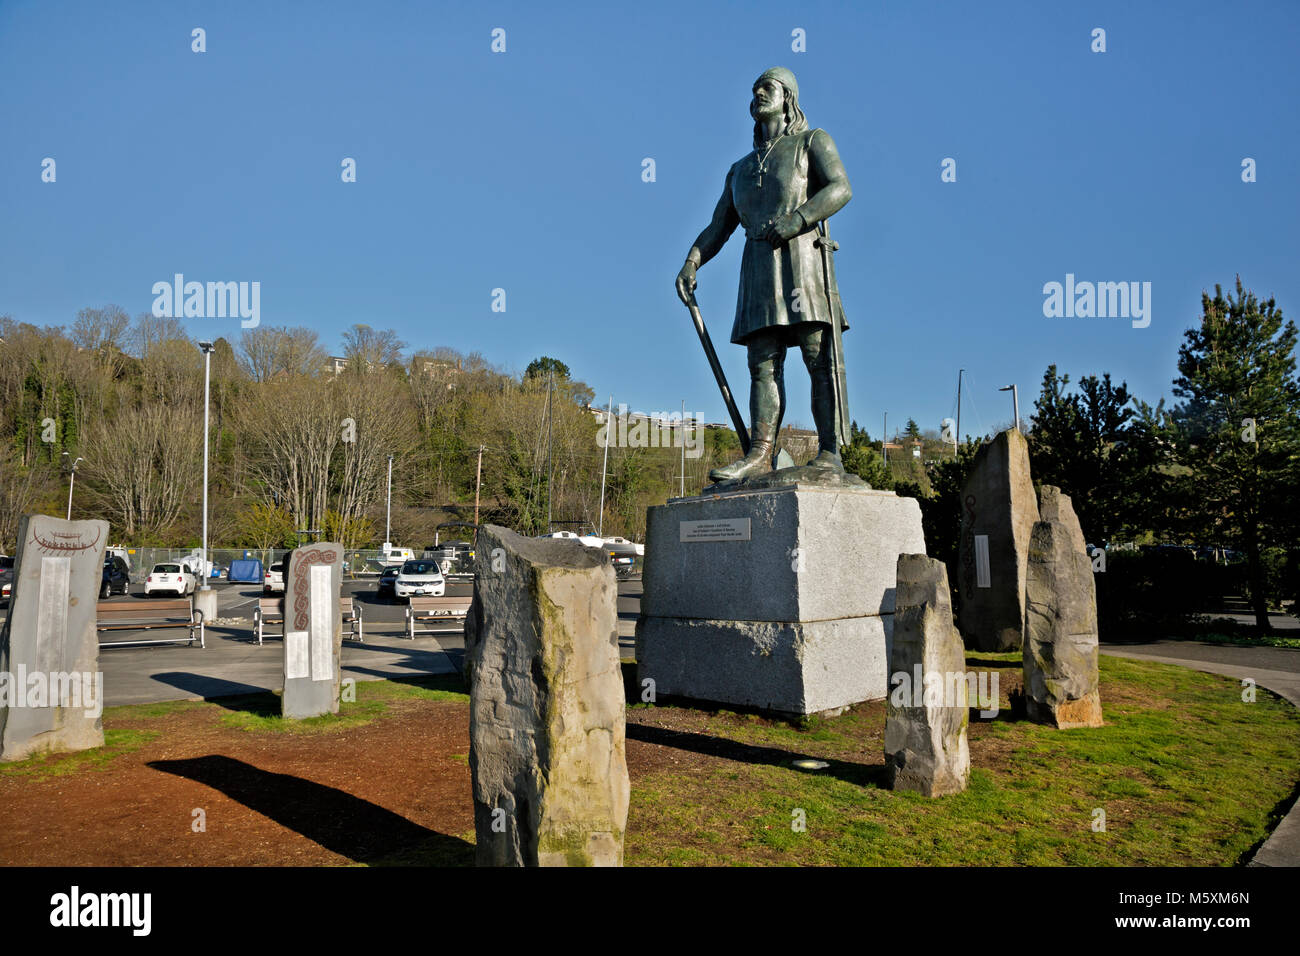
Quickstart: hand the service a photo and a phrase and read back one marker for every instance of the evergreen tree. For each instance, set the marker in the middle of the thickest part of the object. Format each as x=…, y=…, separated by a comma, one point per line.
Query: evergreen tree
x=1238, y=427
x=1076, y=444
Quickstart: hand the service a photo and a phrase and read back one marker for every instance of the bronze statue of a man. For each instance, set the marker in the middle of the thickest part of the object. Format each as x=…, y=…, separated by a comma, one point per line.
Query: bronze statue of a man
x=781, y=193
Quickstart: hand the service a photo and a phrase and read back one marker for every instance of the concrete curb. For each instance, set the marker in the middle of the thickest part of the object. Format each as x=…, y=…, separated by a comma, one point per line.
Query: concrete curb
x=1282, y=848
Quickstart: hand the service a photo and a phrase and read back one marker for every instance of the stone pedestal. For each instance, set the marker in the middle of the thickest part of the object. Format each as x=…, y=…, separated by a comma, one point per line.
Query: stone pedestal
x=51, y=688
x=313, y=631
x=780, y=599
x=205, y=601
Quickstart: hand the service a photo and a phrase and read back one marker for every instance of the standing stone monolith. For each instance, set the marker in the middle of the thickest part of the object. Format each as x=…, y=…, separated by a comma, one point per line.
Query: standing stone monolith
x=313, y=631
x=998, y=514
x=51, y=688
x=925, y=724
x=547, y=707
x=1061, y=651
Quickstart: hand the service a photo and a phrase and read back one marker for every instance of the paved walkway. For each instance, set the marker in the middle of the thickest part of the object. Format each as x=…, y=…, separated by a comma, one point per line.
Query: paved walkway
x=1274, y=668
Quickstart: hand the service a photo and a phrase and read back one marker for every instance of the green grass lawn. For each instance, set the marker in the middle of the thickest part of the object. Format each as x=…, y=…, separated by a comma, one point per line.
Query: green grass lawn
x=1185, y=771
x=117, y=742
x=1249, y=640
x=255, y=713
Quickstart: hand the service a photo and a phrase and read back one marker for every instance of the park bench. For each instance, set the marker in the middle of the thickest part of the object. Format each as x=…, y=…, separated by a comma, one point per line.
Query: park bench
x=147, y=616
x=271, y=611
x=439, y=609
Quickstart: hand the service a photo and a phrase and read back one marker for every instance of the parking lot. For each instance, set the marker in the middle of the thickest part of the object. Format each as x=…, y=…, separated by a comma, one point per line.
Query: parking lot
x=232, y=662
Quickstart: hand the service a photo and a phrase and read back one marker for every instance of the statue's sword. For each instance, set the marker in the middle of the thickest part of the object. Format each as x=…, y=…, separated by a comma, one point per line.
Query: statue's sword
x=741, y=431
x=838, y=383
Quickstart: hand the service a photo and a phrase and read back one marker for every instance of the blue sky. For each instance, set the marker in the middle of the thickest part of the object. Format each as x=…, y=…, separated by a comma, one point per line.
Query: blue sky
x=522, y=170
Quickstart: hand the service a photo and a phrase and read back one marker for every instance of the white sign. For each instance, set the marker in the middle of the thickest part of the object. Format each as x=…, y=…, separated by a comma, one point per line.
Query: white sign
x=720, y=529
x=297, y=657
x=321, y=621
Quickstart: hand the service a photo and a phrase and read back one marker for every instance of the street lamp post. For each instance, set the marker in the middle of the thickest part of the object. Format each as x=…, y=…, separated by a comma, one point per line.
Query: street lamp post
x=609, y=424
x=72, y=483
x=206, y=599
x=1015, y=402
x=478, y=482
x=388, y=519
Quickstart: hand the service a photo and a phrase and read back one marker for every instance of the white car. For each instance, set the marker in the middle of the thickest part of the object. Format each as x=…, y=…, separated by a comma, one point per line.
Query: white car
x=419, y=578
x=170, y=579
x=273, y=579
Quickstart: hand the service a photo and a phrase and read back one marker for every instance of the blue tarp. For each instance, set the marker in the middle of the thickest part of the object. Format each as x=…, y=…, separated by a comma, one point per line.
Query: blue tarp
x=248, y=571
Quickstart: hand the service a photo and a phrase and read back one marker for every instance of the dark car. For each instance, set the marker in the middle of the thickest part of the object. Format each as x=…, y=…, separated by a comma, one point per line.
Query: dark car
x=6, y=577
x=624, y=557
x=117, y=577
x=387, y=581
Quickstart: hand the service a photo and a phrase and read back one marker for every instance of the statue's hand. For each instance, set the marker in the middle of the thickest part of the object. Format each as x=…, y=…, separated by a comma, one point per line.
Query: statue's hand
x=686, y=283
x=784, y=228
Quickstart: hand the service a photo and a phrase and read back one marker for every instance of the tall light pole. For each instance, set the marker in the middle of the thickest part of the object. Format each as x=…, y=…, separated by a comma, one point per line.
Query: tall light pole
x=478, y=483
x=72, y=482
x=960, y=373
x=683, y=448
x=1015, y=402
x=884, y=437
x=206, y=601
x=388, y=518
x=609, y=424
x=207, y=349
x=550, y=461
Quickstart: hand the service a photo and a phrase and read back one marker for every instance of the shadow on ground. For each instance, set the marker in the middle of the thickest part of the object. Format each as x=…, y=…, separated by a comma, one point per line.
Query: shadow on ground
x=362, y=831
x=229, y=694
x=861, y=774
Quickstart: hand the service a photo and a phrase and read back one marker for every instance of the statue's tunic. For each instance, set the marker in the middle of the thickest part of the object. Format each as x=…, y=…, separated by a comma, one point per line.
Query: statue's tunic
x=769, y=276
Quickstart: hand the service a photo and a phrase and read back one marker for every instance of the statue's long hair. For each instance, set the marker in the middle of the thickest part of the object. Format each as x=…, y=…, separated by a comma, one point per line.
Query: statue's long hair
x=795, y=121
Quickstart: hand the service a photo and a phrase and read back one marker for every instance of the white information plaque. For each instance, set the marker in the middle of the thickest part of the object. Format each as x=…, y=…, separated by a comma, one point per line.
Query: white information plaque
x=296, y=656
x=719, y=529
x=321, y=621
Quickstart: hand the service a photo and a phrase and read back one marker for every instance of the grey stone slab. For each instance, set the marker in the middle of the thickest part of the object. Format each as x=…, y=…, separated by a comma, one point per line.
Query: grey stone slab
x=49, y=642
x=1055, y=506
x=547, y=711
x=781, y=666
x=999, y=509
x=313, y=631
x=926, y=747
x=811, y=554
x=1061, y=650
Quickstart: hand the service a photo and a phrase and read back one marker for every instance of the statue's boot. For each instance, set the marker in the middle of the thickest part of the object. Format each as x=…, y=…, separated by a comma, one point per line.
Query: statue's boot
x=824, y=411
x=757, y=462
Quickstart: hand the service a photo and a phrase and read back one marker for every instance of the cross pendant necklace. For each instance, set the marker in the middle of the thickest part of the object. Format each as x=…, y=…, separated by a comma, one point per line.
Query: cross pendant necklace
x=762, y=162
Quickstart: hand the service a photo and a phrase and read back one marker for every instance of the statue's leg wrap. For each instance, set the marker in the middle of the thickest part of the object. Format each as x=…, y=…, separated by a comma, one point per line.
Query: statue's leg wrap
x=766, y=406
x=816, y=342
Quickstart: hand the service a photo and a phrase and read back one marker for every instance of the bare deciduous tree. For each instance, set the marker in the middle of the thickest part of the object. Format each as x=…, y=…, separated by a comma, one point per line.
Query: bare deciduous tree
x=272, y=350
x=145, y=467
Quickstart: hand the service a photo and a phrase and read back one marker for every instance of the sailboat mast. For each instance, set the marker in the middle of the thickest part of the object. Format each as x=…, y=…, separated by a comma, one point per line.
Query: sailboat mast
x=609, y=424
x=957, y=439
x=550, y=460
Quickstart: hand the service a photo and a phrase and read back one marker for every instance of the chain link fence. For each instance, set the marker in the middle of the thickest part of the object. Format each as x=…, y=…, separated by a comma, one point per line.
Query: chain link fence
x=357, y=563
